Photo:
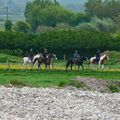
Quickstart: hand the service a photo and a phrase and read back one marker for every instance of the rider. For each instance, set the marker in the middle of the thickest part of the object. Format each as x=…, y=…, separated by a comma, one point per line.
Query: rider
x=98, y=56
x=76, y=55
x=31, y=54
x=45, y=54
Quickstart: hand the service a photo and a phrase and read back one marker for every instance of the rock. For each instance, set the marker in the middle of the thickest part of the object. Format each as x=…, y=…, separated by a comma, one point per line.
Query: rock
x=57, y=104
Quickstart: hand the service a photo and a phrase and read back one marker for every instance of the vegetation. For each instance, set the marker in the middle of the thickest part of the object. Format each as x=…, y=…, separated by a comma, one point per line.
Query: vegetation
x=8, y=25
x=103, y=8
x=12, y=59
x=50, y=13
x=114, y=88
x=51, y=78
x=104, y=25
x=21, y=26
x=114, y=58
x=60, y=41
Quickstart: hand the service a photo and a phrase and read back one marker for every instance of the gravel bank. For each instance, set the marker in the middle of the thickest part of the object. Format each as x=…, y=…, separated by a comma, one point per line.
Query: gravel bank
x=57, y=104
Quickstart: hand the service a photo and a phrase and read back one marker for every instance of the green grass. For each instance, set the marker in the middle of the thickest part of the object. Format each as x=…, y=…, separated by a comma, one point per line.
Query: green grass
x=53, y=78
x=113, y=88
x=12, y=59
x=114, y=58
x=50, y=78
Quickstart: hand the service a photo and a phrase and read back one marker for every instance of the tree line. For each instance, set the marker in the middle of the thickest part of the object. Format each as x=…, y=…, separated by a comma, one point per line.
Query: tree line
x=60, y=42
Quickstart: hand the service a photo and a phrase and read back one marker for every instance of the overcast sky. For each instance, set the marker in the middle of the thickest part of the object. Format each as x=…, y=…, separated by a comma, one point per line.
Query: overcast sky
x=71, y=1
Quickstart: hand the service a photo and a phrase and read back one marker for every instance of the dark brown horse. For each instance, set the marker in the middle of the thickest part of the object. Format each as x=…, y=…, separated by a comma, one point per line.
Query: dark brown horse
x=48, y=61
x=78, y=62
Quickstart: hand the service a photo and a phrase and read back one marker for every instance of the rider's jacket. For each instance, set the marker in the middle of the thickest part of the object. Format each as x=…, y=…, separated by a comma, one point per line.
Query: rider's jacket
x=76, y=55
x=31, y=55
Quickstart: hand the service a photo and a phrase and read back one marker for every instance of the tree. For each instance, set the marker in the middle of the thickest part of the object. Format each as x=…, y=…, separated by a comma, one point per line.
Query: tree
x=47, y=13
x=102, y=8
x=42, y=29
x=117, y=21
x=8, y=25
x=22, y=26
x=82, y=17
x=104, y=25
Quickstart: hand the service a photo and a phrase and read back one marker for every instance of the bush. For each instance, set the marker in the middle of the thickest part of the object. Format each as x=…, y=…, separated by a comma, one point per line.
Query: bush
x=76, y=84
x=113, y=88
x=59, y=41
x=104, y=25
x=22, y=26
x=17, y=83
x=8, y=25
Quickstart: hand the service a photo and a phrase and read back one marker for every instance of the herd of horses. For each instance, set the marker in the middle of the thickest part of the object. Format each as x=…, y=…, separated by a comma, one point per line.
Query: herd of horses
x=70, y=62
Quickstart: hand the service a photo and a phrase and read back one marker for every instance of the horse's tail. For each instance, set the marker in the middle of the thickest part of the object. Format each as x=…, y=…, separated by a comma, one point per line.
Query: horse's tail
x=34, y=61
x=22, y=61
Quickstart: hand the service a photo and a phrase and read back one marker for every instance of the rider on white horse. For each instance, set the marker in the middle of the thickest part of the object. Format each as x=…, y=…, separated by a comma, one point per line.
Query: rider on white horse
x=31, y=54
x=98, y=56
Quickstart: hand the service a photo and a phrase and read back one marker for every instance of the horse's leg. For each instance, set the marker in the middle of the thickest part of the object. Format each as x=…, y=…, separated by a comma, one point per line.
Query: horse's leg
x=45, y=66
x=91, y=65
x=103, y=67
x=49, y=66
x=32, y=66
x=23, y=64
x=82, y=66
x=99, y=66
x=39, y=66
x=67, y=65
x=78, y=67
x=52, y=65
x=75, y=66
x=71, y=66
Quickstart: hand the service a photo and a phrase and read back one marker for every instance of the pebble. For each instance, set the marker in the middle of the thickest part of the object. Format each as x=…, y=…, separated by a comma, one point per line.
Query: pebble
x=57, y=104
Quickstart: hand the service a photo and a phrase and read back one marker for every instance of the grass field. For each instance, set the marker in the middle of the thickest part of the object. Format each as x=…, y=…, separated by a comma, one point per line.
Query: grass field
x=20, y=75
x=51, y=78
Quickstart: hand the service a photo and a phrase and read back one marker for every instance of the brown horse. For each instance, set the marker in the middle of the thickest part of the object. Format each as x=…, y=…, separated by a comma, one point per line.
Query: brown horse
x=101, y=61
x=48, y=61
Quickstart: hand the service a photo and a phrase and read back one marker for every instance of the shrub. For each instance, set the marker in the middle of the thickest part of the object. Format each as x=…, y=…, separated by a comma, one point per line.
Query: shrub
x=59, y=41
x=113, y=88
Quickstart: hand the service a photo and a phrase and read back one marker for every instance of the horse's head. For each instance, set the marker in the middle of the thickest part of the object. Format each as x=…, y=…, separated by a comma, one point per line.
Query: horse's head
x=106, y=57
x=54, y=56
x=84, y=58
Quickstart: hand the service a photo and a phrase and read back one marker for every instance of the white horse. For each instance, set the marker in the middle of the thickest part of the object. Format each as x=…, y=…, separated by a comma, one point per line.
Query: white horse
x=27, y=60
x=101, y=61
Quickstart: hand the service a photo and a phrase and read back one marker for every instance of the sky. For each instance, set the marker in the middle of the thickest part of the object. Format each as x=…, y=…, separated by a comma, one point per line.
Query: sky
x=71, y=1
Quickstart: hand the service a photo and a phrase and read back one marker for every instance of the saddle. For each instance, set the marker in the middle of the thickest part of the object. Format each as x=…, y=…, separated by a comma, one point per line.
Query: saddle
x=97, y=60
x=75, y=60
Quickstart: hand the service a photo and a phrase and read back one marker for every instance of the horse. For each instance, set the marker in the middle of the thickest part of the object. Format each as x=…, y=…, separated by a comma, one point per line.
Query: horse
x=101, y=61
x=78, y=62
x=27, y=60
x=47, y=62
